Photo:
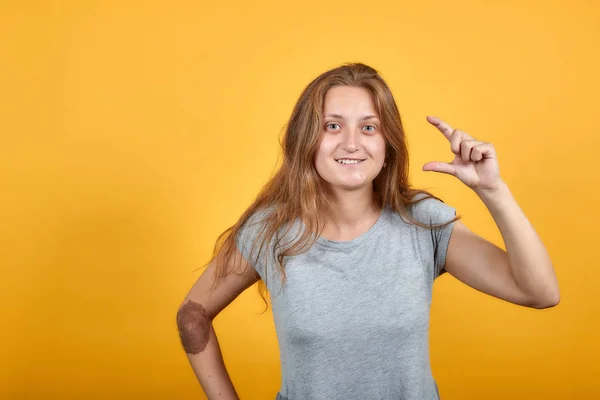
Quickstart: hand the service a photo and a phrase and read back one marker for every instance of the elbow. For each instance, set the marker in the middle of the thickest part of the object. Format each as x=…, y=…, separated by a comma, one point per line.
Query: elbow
x=554, y=301
x=547, y=302
x=194, y=326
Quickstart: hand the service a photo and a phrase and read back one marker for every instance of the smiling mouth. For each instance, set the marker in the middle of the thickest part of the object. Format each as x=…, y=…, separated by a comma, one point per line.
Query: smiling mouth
x=349, y=161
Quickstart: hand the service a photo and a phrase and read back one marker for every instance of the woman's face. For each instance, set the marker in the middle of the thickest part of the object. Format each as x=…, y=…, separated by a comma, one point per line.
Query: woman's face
x=352, y=148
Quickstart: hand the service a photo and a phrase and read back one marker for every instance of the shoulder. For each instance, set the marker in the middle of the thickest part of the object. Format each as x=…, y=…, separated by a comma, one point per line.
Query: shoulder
x=259, y=216
x=429, y=209
x=253, y=224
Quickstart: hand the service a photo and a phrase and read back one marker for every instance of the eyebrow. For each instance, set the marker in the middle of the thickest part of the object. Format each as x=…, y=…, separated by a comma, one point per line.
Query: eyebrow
x=362, y=119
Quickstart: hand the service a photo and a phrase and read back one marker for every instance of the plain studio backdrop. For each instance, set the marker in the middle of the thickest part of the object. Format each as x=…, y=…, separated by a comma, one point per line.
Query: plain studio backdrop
x=134, y=132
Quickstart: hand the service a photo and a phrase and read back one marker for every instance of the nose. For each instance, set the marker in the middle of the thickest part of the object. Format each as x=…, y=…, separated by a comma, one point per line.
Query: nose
x=351, y=139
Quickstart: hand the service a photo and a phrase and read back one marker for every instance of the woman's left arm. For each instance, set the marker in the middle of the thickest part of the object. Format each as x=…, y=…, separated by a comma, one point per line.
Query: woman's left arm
x=523, y=274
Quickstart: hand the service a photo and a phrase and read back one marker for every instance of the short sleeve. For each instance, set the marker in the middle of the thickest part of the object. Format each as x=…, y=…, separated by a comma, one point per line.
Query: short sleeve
x=435, y=212
x=247, y=240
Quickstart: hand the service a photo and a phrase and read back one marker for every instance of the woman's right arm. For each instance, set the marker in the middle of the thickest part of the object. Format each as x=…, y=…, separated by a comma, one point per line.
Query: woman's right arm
x=194, y=321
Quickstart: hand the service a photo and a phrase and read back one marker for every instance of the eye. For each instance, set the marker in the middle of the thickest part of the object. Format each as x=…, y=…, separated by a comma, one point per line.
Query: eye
x=330, y=124
x=371, y=126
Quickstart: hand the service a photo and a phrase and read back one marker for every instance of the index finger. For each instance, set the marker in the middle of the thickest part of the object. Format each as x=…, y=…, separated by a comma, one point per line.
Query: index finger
x=444, y=127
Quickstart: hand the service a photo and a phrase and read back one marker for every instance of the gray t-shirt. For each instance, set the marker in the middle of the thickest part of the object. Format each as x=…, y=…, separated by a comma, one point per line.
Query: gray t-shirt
x=352, y=320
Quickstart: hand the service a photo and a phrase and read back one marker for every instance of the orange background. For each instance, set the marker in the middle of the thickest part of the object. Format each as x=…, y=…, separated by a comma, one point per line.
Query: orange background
x=134, y=132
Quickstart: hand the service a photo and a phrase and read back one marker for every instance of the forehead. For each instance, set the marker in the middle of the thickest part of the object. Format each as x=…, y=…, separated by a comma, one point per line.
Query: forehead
x=349, y=99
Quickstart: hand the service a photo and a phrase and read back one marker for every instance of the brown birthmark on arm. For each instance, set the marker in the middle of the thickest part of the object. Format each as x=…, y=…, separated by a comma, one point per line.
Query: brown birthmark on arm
x=194, y=327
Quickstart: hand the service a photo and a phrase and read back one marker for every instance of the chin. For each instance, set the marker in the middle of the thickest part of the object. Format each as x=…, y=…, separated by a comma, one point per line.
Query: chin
x=351, y=185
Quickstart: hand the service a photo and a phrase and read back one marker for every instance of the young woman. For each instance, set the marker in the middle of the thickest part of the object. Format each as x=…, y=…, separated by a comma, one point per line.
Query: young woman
x=349, y=251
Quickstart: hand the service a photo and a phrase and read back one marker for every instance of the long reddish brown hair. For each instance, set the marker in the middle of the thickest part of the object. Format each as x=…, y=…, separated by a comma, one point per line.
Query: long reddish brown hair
x=297, y=191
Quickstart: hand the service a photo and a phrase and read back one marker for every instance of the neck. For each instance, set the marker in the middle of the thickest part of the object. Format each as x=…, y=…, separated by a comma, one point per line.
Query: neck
x=351, y=211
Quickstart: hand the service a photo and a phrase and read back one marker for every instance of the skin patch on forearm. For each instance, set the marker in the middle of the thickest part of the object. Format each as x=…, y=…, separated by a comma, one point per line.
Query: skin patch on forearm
x=194, y=327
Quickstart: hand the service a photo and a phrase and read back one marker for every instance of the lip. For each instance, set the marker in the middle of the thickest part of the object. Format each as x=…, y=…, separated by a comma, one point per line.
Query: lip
x=345, y=165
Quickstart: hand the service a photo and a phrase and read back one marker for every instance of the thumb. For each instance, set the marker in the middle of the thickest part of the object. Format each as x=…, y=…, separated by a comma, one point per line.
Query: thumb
x=438, y=166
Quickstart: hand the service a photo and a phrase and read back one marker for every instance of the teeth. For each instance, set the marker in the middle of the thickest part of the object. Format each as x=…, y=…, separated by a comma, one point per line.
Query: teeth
x=348, y=161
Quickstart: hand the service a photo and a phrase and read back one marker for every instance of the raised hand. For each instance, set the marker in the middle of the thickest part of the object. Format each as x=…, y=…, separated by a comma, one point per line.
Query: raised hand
x=475, y=163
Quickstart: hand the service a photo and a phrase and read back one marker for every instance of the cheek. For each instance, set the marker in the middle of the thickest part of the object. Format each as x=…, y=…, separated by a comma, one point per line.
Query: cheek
x=376, y=147
x=325, y=150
